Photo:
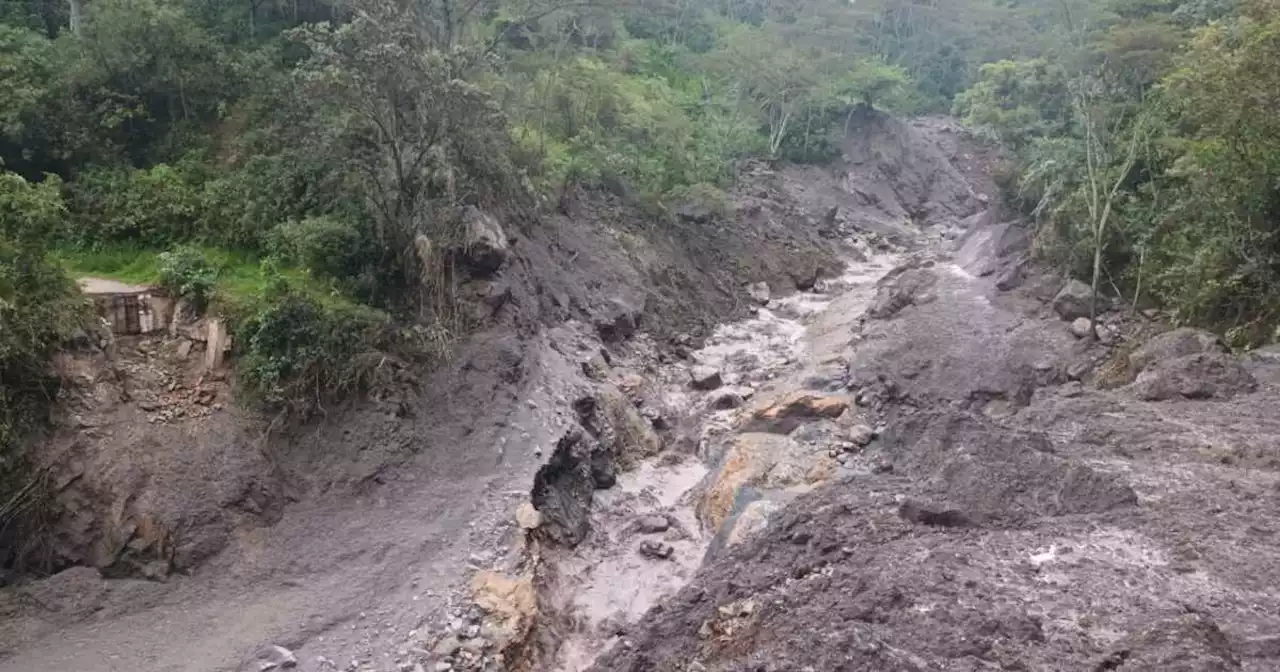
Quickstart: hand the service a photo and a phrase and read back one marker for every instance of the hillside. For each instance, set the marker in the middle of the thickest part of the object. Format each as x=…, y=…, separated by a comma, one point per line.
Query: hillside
x=527, y=335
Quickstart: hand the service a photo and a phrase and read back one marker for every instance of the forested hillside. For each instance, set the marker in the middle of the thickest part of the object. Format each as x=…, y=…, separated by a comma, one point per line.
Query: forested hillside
x=294, y=163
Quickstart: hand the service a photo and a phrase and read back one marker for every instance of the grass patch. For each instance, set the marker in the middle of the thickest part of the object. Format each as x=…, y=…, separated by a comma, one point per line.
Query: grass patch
x=241, y=275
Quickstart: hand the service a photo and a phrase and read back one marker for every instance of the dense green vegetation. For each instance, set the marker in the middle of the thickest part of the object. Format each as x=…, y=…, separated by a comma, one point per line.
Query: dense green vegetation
x=1146, y=148
x=291, y=163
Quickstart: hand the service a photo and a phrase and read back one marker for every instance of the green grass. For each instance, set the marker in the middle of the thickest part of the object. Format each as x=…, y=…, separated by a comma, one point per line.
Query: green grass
x=240, y=274
x=133, y=266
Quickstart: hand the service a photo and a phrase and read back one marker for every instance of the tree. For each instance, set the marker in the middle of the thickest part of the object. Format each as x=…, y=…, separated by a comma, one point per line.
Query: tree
x=378, y=97
x=777, y=80
x=1101, y=170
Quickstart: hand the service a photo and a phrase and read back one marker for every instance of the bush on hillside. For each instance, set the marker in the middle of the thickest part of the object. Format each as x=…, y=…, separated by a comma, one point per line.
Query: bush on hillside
x=294, y=349
x=186, y=272
x=39, y=308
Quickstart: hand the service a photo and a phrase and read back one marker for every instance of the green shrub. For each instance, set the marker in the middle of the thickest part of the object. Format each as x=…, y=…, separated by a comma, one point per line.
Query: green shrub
x=156, y=207
x=186, y=272
x=295, y=349
x=330, y=248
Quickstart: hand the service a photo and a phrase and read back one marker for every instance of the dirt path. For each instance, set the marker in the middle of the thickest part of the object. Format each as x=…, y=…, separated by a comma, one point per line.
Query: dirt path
x=341, y=582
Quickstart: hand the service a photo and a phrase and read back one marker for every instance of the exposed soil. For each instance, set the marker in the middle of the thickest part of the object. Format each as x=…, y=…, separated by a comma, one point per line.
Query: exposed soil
x=774, y=422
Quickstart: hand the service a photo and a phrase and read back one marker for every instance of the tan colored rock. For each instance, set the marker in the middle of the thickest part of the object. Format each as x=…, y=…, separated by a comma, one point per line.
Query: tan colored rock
x=794, y=409
x=822, y=470
x=217, y=343
x=528, y=517
x=631, y=383
x=750, y=458
x=510, y=605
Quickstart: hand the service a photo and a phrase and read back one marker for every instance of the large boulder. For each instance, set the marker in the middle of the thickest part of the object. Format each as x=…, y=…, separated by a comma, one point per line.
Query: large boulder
x=1073, y=301
x=759, y=292
x=563, y=489
x=705, y=377
x=618, y=320
x=1173, y=344
x=898, y=290
x=623, y=432
x=485, y=248
x=785, y=414
x=757, y=460
x=1206, y=375
x=984, y=247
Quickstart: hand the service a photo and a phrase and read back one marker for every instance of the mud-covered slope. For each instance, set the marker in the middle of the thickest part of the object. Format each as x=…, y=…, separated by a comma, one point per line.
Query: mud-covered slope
x=224, y=532
x=1013, y=514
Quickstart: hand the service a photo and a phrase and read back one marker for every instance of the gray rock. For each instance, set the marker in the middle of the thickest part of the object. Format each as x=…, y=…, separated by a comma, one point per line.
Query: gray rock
x=1043, y=286
x=485, y=248
x=1206, y=375
x=1173, y=344
x=909, y=286
x=1078, y=368
x=806, y=279
x=652, y=524
x=1073, y=300
x=861, y=435
x=447, y=646
x=563, y=490
x=276, y=658
x=1010, y=278
x=618, y=321
x=1081, y=327
x=759, y=292
x=728, y=398
x=656, y=550
x=705, y=378
x=935, y=515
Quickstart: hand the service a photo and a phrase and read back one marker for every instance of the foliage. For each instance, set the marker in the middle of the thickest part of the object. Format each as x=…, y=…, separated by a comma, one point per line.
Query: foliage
x=1017, y=101
x=337, y=142
x=294, y=348
x=39, y=308
x=153, y=207
x=418, y=138
x=1181, y=141
x=186, y=272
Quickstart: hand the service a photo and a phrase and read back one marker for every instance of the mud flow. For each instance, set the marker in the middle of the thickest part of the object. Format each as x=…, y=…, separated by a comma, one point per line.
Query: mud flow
x=653, y=530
